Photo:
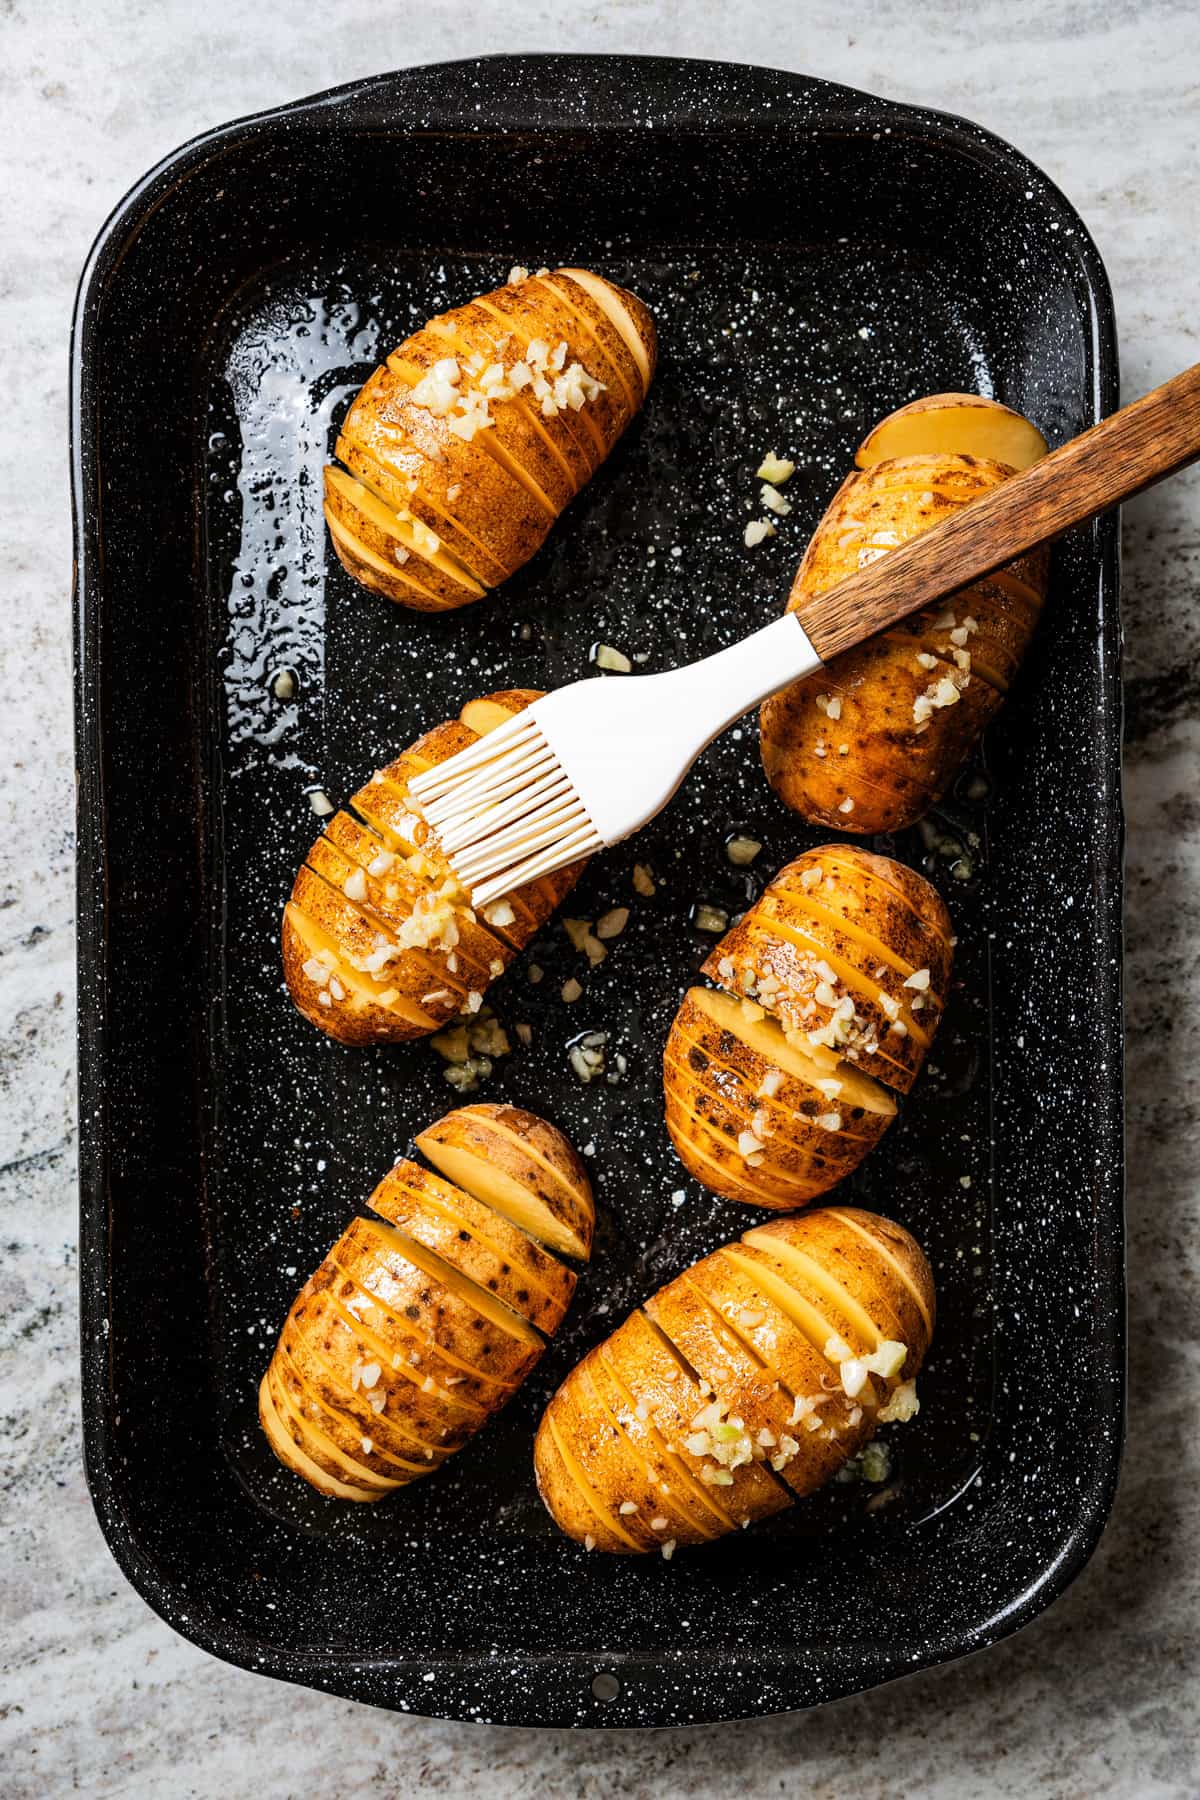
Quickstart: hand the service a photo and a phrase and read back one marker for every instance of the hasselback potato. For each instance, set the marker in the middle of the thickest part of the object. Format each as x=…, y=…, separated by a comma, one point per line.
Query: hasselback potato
x=873, y=740
x=744, y=1384
x=835, y=980
x=380, y=942
x=461, y=450
x=424, y=1319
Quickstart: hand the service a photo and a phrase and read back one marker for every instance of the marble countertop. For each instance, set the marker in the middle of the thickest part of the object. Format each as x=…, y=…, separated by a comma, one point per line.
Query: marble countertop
x=1097, y=1698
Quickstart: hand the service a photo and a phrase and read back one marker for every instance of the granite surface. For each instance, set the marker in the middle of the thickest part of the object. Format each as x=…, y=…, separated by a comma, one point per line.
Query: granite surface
x=1096, y=1699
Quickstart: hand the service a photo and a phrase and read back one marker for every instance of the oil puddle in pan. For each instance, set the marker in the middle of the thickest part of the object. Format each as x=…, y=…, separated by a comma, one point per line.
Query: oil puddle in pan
x=784, y=351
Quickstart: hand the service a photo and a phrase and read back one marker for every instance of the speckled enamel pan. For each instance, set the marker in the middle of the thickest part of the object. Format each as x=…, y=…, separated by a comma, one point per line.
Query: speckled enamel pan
x=814, y=257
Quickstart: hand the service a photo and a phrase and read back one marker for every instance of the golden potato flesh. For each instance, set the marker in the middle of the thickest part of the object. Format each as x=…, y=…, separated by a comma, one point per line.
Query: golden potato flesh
x=522, y=1167
x=756, y=1373
x=954, y=425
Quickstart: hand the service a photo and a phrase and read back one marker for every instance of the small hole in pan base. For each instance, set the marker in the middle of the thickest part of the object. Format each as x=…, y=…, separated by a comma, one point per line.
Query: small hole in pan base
x=605, y=1686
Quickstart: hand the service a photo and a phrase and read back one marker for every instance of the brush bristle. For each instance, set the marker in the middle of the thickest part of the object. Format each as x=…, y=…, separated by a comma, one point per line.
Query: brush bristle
x=505, y=811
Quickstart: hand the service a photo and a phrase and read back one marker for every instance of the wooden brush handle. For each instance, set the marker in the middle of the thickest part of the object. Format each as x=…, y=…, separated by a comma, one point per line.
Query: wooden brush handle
x=1123, y=454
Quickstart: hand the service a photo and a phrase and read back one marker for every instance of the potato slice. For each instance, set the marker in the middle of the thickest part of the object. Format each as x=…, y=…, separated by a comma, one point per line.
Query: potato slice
x=337, y=1450
x=956, y=425
x=796, y=1126
x=627, y=313
x=371, y=1439
x=405, y=547
x=520, y=1166
x=578, y=1509
x=363, y=1015
x=899, y=1268
x=512, y=437
x=599, y=337
x=741, y=1387
x=395, y=484
x=478, y=1241
x=615, y=1472
x=294, y=1458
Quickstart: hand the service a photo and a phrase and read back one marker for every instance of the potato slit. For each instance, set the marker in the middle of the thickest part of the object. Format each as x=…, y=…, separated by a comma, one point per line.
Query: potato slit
x=476, y=561
x=315, y=939
x=792, y=1192
x=854, y=980
x=341, y=534
x=437, y=976
x=484, y=1303
x=669, y=1504
x=290, y=1454
x=674, y=1461
x=423, y=1449
x=356, y=1471
x=351, y=1421
x=815, y=1326
x=385, y=518
x=486, y=440
x=530, y=1149
x=887, y=1255
x=465, y=339
x=584, y=1486
x=590, y=439
x=463, y=1223
x=745, y=1098
x=880, y=952
x=429, y=1346
x=610, y=302
x=583, y=323
x=819, y=1278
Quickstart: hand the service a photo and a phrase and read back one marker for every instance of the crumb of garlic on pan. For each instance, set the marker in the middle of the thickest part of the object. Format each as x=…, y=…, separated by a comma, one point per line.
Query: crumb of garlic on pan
x=775, y=469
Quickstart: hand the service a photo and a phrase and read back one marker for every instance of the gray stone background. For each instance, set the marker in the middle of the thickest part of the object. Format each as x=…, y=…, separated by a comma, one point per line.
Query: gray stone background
x=1098, y=1698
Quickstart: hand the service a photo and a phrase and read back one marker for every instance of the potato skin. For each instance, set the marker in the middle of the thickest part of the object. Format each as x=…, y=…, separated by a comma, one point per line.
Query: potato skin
x=407, y=1338
x=877, y=767
x=767, y=1356
x=491, y=497
x=878, y=925
x=346, y=968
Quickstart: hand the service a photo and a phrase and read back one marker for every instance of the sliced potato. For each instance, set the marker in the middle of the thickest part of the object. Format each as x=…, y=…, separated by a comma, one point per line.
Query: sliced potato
x=419, y=1324
x=296, y=1459
x=873, y=740
x=954, y=425
x=828, y=948
x=380, y=943
x=483, y=425
x=405, y=547
x=743, y=1375
x=653, y=1379
x=520, y=1166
